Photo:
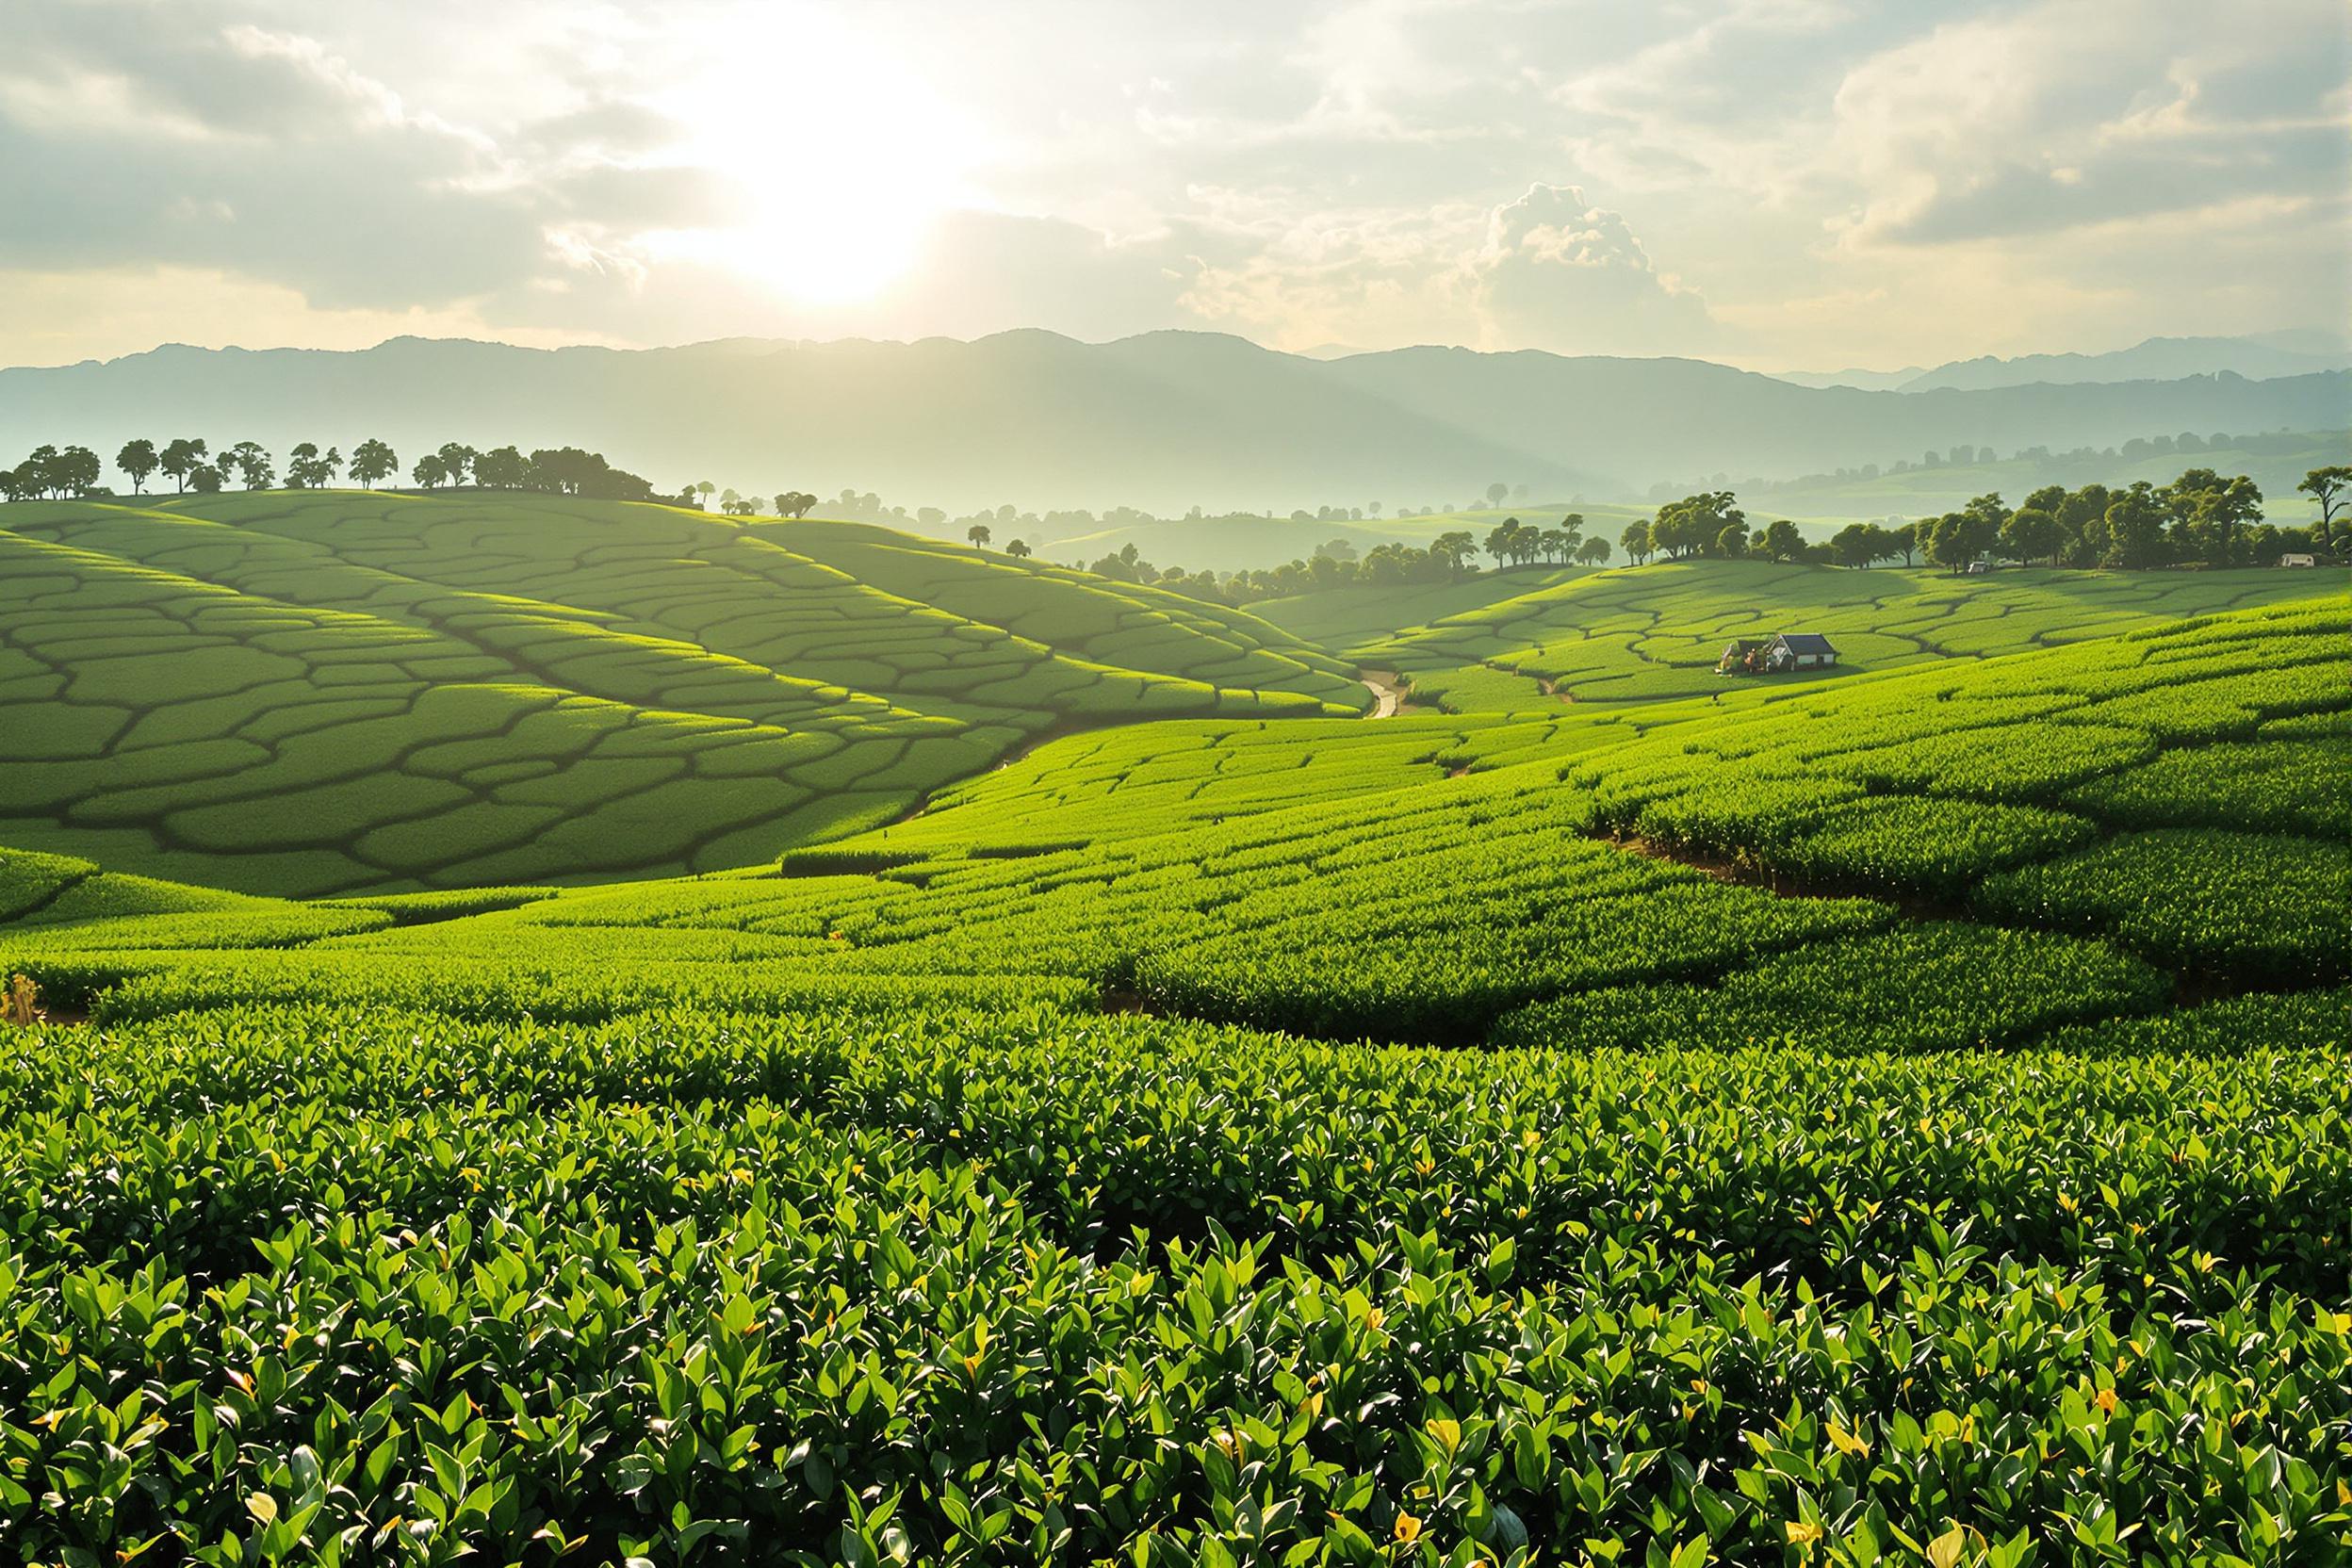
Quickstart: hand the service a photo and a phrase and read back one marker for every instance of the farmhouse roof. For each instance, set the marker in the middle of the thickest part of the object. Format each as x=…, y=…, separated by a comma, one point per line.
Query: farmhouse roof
x=1805, y=642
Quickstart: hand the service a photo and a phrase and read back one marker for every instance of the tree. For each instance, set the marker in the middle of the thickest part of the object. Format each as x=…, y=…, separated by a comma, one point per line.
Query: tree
x=1593, y=551
x=2326, y=486
x=137, y=458
x=2031, y=534
x=1018, y=550
x=501, y=468
x=703, y=488
x=430, y=471
x=979, y=535
x=1697, y=523
x=1455, y=549
x=1496, y=492
x=1782, y=542
x=1732, y=543
x=794, y=503
x=2209, y=514
x=304, y=468
x=181, y=458
x=1853, y=546
x=1502, y=540
x=2082, y=524
x=1956, y=539
x=204, y=478
x=1904, y=538
x=248, y=458
x=1635, y=542
x=456, y=459
x=371, y=460
x=2135, y=529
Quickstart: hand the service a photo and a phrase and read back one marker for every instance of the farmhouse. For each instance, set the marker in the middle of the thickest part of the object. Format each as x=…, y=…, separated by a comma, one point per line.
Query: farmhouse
x=1801, y=650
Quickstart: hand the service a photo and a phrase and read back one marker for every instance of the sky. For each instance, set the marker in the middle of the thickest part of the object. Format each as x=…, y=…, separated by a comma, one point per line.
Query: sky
x=1779, y=184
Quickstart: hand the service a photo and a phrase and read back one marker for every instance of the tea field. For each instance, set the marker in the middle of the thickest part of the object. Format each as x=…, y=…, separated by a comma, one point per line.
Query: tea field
x=305, y=694
x=1902, y=1119
x=1528, y=638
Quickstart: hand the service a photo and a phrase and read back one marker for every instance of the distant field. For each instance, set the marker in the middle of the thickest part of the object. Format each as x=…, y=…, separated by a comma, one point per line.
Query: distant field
x=1522, y=640
x=300, y=693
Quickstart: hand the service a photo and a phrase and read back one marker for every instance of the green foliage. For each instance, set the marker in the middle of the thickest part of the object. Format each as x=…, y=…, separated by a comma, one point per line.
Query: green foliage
x=859, y=1288
x=2236, y=903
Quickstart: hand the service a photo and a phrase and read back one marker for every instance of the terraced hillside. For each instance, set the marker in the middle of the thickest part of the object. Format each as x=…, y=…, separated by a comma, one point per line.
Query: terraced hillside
x=1654, y=633
x=2131, y=818
x=301, y=694
x=1914, y=1120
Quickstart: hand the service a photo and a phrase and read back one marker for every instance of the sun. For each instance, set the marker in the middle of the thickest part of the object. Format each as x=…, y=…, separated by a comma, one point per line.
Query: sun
x=832, y=158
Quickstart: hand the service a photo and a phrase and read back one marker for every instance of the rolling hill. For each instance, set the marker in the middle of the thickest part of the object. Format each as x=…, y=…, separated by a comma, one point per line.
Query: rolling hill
x=314, y=692
x=1531, y=638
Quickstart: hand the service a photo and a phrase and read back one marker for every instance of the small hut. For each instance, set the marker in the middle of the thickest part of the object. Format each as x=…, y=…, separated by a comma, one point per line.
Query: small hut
x=1800, y=650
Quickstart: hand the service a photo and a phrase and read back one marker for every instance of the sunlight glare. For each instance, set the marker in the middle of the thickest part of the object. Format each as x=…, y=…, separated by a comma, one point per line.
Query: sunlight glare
x=840, y=156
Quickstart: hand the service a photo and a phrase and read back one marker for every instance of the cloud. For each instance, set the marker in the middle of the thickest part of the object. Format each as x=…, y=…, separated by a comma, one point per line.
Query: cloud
x=1557, y=273
x=1829, y=181
x=248, y=151
x=2054, y=117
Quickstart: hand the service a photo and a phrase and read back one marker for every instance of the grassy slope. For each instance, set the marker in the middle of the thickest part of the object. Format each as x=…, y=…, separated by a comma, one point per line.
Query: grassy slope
x=2097, y=826
x=303, y=693
x=1655, y=632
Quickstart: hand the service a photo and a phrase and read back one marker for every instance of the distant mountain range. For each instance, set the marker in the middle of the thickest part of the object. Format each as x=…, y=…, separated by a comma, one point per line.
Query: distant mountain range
x=1162, y=421
x=2157, y=359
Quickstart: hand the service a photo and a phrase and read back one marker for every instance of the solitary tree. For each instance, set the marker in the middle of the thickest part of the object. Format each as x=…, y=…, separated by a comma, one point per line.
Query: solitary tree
x=304, y=468
x=703, y=488
x=1635, y=541
x=2327, y=486
x=181, y=458
x=1496, y=492
x=371, y=460
x=979, y=535
x=139, y=460
x=1018, y=549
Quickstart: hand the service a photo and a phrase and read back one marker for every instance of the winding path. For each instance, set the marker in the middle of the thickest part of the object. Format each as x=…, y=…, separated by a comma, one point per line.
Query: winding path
x=1388, y=694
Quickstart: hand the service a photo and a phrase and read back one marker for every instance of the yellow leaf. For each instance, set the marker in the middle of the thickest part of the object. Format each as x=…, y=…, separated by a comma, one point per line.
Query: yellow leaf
x=1408, y=1528
x=1802, y=1533
x=264, y=1507
x=1446, y=1435
x=1944, y=1551
x=1847, y=1444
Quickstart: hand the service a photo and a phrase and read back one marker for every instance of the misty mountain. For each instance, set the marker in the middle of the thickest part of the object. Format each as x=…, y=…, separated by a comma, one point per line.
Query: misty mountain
x=2260, y=358
x=1163, y=421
